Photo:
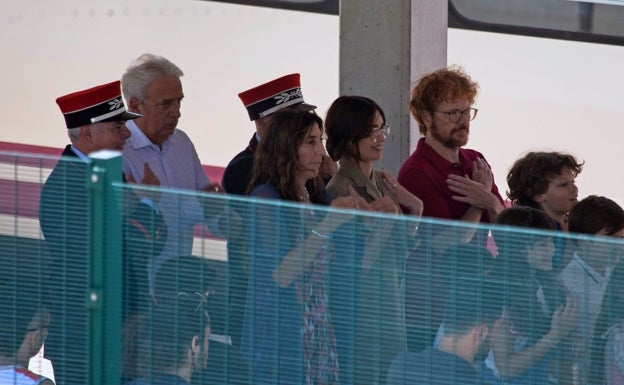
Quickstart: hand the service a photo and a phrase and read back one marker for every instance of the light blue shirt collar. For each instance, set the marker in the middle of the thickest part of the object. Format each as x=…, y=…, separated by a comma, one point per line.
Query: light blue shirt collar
x=138, y=138
x=79, y=153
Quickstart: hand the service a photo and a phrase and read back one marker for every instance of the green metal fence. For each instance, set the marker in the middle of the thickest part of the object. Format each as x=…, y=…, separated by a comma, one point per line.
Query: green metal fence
x=282, y=293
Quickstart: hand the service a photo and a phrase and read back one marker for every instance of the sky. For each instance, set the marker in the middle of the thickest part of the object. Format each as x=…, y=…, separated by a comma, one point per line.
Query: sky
x=536, y=94
x=543, y=94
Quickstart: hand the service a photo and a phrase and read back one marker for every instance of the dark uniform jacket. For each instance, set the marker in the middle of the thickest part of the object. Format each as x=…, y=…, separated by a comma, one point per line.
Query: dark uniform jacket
x=237, y=174
x=64, y=220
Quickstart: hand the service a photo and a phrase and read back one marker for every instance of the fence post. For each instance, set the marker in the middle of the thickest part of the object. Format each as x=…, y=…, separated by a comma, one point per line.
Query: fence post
x=104, y=294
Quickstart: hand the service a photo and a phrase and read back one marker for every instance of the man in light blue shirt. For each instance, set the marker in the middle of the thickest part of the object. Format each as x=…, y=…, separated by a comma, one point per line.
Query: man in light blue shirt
x=151, y=86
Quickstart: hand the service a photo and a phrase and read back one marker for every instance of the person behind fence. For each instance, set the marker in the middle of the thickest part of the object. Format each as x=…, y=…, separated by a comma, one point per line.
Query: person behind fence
x=192, y=274
x=356, y=131
x=95, y=120
x=24, y=321
x=546, y=181
x=172, y=341
x=152, y=88
x=260, y=102
x=586, y=276
x=288, y=335
x=538, y=313
x=473, y=315
x=453, y=183
x=607, y=351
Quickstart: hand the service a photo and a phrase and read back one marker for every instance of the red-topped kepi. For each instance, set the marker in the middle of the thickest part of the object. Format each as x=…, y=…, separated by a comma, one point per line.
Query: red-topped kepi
x=273, y=96
x=98, y=104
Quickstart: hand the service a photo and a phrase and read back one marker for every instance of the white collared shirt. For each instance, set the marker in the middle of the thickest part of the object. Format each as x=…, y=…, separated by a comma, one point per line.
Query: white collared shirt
x=588, y=286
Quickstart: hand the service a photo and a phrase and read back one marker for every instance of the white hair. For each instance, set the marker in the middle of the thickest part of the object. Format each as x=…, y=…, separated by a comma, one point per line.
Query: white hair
x=142, y=72
x=74, y=133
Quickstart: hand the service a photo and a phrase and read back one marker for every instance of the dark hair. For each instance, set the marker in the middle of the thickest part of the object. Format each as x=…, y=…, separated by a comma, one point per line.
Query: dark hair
x=435, y=87
x=165, y=333
x=192, y=274
x=511, y=244
x=611, y=311
x=595, y=213
x=276, y=159
x=471, y=301
x=349, y=120
x=187, y=273
x=531, y=174
x=21, y=299
x=511, y=265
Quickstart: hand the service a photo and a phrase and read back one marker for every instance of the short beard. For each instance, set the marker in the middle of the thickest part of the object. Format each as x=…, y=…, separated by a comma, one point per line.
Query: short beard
x=448, y=142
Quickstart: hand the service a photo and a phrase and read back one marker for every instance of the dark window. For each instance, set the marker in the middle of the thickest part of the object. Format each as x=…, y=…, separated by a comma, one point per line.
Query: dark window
x=599, y=21
x=319, y=6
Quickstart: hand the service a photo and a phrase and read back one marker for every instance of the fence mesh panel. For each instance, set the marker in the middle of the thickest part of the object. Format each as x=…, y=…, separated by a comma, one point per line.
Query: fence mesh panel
x=277, y=292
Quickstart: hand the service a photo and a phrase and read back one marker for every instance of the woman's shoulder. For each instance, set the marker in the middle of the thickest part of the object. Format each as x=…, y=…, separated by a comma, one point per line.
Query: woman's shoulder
x=265, y=190
x=322, y=197
x=337, y=185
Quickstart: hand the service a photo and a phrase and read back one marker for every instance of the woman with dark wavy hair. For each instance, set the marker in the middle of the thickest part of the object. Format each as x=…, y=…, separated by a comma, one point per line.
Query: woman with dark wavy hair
x=288, y=335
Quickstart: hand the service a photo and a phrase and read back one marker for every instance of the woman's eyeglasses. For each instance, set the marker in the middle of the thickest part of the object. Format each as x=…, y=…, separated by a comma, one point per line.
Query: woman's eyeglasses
x=377, y=132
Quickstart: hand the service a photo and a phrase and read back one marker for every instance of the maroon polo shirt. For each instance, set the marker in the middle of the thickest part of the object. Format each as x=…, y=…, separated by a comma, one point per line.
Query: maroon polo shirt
x=428, y=277
x=425, y=173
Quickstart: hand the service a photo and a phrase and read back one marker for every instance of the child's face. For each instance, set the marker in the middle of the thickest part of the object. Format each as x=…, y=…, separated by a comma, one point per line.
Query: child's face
x=541, y=254
x=561, y=194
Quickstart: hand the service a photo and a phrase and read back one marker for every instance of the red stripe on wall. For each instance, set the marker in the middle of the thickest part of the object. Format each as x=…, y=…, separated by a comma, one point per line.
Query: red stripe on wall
x=22, y=198
x=214, y=173
x=30, y=149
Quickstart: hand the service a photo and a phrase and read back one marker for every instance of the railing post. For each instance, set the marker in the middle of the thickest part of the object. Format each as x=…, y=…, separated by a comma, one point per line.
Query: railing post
x=104, y=293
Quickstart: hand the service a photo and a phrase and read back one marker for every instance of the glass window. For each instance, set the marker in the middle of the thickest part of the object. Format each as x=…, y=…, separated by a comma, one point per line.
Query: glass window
x=597, y=21
x=319, y=6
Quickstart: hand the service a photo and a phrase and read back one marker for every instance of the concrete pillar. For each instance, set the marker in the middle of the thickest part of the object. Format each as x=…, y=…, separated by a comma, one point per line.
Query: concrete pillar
x=384, y=47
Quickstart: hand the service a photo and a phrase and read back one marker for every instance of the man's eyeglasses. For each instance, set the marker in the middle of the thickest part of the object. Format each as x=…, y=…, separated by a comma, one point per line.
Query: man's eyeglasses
x=202, y=297
x=456, y=115
x=376, y=132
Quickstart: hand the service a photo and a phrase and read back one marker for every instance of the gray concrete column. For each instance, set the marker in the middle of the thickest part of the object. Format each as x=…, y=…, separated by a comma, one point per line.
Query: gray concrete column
x=384, y=47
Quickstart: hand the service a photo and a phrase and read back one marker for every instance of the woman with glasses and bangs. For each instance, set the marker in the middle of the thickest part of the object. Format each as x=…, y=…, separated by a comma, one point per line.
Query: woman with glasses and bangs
x=356, y=132
x=288, y=335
